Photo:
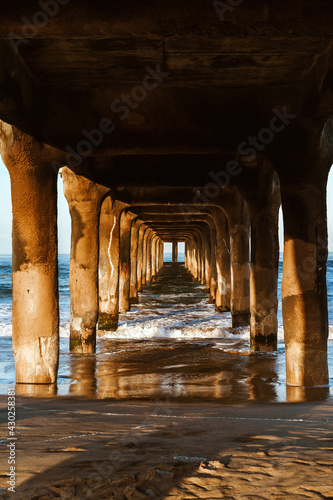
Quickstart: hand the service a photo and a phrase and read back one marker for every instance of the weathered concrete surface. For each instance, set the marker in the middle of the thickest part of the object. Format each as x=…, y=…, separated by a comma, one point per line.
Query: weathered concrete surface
x=109, y=258
x=149, y=256
x=304, y=295
x=84, y=199
x=264, y=214
x=153, y=256
x=142, y=231
x=126, y=220
x=106, y=227
x=239, y=229
x=223, y=291
x=35, y=256
x=146, y=234
x=136, y=226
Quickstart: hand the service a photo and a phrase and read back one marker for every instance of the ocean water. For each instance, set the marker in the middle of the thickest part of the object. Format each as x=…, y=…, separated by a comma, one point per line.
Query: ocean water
x=171, y=345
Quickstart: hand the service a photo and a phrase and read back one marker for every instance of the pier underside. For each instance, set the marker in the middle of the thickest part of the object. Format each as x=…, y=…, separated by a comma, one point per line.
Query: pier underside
x=168, y=122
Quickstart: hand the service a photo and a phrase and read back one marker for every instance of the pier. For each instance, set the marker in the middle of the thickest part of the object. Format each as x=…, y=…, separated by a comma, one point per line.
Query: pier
x=195, y=134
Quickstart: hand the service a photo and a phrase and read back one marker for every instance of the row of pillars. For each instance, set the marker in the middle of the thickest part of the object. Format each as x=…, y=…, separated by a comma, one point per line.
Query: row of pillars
x=114, y=253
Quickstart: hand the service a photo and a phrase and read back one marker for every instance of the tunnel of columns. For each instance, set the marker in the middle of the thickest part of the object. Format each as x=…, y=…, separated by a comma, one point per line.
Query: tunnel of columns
x=197, y=135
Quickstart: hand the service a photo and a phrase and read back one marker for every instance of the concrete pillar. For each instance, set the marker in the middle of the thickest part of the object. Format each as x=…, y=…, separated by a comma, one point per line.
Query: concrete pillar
x=196, y=258
x=149, y=257
x=161, y=254
x=136, y=225
x=240, y=268
x=187, y=254
x=158, y=247
x=202, y=257
x=106, y=230
x=125, y=260
x=144, y=256
x=174, y=251
x=154, y=256
x=84, y=199
x=304, y=293
x=264, y=212
x=192, y=259
x=211, y=279
x=223, y=292
x=109, y=265
x=139, y=263
x=158, y=255
x=35, y=256
x=207, y=259
x=190, y=256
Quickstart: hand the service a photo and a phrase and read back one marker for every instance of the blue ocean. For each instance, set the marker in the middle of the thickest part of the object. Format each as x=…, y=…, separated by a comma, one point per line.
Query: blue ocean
x=173, y=321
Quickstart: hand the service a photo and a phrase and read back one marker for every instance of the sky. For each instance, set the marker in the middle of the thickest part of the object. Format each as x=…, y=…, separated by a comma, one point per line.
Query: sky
x=65, y=223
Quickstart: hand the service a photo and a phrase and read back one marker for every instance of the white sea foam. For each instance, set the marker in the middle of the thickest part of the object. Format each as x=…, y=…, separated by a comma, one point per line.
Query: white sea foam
x=136, y=331
x=5, y=330
x=64, y=330
x=178, y=322
x=127, y=332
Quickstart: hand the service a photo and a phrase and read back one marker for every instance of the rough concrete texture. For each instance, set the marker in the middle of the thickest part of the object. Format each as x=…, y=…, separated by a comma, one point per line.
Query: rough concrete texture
x=84, y=199
x=35, y=264
x=109, y=260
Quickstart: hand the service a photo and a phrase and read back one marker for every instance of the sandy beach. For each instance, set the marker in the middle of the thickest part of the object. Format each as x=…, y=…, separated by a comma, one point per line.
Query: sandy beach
x=78, y=448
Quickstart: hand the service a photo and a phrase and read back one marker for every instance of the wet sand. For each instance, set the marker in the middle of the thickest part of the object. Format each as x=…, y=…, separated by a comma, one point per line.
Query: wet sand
x=79, y=449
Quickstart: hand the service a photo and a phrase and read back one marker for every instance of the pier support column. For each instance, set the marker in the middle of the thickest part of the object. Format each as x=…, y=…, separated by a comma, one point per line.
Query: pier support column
x=303, y=167
x=161, y=255
x=264, y=267
x=304, y=293
x=139, y=264
x=201, y=257
x=191, y=257
x=196, y=258
x=206, y=260
x=240, y=266
x=174, y=251
x=84, y=199
x=149, y=256
x=136, y=225
x=212, y=262
x=35, y=257
x=144, y=256
x=158, y=254
x=223, y=292
x=106, y=230
x=154, y=257
x=109, y=264
x=125, y=261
